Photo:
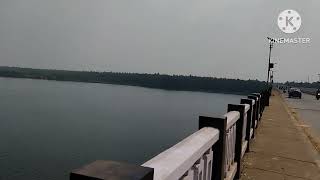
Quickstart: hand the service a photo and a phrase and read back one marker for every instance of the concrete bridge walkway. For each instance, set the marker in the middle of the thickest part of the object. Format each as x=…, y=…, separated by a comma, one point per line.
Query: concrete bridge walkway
x=280, y=150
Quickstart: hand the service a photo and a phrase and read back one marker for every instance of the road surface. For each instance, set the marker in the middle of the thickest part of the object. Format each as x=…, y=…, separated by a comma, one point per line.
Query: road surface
x=280, y=149
x=308, y=109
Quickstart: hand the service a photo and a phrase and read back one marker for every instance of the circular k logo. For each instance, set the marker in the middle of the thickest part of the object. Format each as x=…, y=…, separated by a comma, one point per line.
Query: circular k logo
x=289, y=21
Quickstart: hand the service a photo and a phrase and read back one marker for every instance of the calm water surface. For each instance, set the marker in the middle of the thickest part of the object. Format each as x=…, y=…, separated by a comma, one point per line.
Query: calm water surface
x=48, y=128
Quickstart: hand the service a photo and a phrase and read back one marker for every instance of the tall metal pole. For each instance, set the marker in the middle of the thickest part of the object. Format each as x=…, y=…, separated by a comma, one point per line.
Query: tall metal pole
x=269, y=64
x=270, y=46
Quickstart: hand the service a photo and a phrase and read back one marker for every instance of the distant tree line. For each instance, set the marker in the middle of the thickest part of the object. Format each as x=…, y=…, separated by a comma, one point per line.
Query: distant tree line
x=160, y=81
x=315, y=85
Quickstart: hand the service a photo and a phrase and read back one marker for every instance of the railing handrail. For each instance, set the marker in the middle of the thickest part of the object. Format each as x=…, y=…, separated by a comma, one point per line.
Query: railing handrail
x=246, y=107
x=232, y=118
x=177, y=160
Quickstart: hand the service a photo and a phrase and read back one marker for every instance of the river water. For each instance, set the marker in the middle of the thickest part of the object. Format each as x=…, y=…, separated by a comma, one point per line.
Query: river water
x=48, y=128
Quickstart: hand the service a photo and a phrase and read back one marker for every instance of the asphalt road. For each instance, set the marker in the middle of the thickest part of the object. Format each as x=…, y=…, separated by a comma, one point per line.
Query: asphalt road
x=308, y=109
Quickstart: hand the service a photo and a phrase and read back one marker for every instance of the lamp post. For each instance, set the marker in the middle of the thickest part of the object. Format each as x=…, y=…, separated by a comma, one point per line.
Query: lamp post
x=271, y=41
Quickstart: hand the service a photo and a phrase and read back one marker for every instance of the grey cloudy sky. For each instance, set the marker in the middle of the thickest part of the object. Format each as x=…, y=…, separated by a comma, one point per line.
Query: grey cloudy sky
x=222, y=38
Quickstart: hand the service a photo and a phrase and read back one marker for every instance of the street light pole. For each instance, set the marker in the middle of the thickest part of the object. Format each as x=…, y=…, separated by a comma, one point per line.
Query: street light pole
x=271, y=41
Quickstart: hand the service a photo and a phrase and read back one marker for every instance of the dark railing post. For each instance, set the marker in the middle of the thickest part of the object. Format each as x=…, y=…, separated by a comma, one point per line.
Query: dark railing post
x=265, y=94
x=260, y=103
x=268, y=95
x=255, y=111
x=219, y=148
x=249, y=121
x=258, y=106
x=263, y=99
x=103, y=170
x=239, y=134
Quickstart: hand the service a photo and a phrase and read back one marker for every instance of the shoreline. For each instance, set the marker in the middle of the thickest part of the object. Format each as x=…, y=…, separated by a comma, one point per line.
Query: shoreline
x=89, y=82
x=174, y=82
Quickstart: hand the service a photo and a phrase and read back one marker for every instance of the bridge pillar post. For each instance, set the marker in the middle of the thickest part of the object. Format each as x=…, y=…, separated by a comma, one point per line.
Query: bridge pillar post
x=268, y=95
x=259, y=104
x=263, y=100
x=239, y=134
x=255, y=111
x=249, y=121
x=219, y=148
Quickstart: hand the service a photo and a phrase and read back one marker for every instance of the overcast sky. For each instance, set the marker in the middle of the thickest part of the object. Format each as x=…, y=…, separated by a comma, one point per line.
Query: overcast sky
x=221, y=38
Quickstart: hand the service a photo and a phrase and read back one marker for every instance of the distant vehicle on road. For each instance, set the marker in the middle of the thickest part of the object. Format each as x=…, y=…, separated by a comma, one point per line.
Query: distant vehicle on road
x=283, y=88
x=294, y=92
x=318, y=94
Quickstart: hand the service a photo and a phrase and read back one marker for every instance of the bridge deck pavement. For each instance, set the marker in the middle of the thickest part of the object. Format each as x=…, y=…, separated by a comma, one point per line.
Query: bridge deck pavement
x=280, y=150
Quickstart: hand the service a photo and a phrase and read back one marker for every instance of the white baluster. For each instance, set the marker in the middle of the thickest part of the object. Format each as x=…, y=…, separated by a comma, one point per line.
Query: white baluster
x=234, y=141
x=198, y=170
x=228, y=150
x=188, y=175
x=209, y=157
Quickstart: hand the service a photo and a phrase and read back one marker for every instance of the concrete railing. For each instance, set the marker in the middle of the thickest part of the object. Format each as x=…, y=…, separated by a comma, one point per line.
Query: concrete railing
x=189, y=159
x=214, y=152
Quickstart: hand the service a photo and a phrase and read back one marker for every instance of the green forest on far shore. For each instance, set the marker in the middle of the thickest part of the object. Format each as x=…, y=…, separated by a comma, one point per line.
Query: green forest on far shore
x=160, y=81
